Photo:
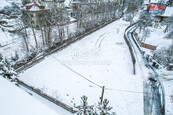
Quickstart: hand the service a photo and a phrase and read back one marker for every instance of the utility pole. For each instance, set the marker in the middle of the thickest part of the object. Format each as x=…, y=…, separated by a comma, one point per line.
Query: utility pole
x=103, y=88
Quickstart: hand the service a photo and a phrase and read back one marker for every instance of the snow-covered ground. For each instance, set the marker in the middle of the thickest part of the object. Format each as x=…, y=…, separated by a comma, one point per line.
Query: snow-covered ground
x=100, y=59
x=157, y=37
x=9, y=44
x=14, y=101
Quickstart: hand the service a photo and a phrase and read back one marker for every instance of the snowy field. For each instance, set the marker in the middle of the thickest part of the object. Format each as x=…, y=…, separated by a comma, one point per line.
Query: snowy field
x=15, y=101
x=100, y=59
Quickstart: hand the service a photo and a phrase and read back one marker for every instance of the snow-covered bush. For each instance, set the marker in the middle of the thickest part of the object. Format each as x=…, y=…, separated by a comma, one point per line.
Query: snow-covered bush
x=15, y=57
x=5, y=68
x=145, y=21
x=12, y=9
x=144, y=35
x=164, y=56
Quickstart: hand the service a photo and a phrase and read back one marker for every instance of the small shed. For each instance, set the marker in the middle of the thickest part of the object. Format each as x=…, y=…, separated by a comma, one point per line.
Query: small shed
x=148, y=46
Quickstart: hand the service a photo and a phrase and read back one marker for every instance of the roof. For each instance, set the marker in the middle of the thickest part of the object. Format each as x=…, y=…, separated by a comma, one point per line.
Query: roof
x=34, y=6
x=154, y=1
x=168, y=12
x=15, y=101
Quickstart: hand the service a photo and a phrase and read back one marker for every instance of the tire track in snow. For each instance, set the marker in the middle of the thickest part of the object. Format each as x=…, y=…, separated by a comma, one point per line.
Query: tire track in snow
x=99, y=40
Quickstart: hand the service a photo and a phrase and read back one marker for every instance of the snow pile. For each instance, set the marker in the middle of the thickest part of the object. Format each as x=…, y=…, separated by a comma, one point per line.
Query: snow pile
x=14, y=101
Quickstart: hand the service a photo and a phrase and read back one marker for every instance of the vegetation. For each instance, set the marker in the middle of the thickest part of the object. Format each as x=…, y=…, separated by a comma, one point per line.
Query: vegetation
x=6, y=70
x=169, y=3
x=100, y=109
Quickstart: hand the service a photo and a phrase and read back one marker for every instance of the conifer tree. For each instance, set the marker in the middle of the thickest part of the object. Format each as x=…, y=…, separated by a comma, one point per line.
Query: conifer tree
x=100, y=109
x=169, y=3
x=84, y=108
x=104, y=109
x=6, y=70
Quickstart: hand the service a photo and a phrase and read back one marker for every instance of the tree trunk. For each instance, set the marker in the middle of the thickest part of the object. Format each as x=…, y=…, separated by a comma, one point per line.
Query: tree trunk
x=35, y=37
x=48, y=36
x=42, y=35
x=24, y=37
x=166, y=29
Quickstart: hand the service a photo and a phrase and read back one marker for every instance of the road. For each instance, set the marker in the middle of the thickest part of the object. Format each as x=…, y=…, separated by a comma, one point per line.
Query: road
x=154, y=97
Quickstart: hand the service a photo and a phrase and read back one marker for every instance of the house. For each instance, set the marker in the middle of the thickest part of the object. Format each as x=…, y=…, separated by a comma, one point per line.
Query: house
x=154, y=1
x=34, y=14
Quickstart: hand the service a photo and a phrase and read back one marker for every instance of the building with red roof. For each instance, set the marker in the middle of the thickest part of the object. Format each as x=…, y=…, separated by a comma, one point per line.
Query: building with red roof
x=34, y=14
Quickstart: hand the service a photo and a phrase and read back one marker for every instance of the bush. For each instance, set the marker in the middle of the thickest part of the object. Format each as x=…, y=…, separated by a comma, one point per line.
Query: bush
x=13, y=9
x=164, y=56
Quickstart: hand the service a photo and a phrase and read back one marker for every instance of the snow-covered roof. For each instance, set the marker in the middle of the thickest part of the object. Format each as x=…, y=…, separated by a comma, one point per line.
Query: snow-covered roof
x=154, y=1
x=32, y=3
x=34, y=6
x=168, y=12
x=14, y=101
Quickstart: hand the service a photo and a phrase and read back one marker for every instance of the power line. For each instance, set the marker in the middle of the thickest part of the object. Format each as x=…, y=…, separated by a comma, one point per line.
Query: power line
x=100, y=86
x=77, y=73
x=123, y=90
